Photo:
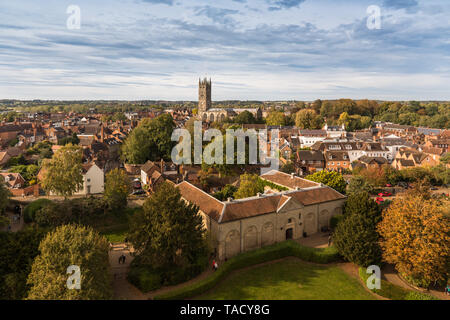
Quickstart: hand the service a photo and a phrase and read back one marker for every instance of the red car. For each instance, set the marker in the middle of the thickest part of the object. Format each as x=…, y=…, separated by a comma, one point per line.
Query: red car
x=388, y=185
x=379, y=200
x=385, y=194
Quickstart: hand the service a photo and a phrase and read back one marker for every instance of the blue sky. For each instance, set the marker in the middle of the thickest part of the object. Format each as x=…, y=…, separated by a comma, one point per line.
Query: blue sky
x=252, y=49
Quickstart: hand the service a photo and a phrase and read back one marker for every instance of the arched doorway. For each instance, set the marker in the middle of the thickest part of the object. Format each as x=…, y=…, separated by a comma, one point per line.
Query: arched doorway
x=289, y=233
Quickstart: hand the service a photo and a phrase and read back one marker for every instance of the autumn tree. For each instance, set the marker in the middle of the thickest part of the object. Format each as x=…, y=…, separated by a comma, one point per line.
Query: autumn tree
x=63, y=172
x=66, y=246
x=355, y=236
x=308, y=119
x=416, y=239
x=117, y=188
x=332, y=179
x=276, y=118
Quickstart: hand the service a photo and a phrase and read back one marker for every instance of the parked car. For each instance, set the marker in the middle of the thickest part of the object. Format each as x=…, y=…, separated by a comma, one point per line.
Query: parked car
x=385, y=194
x=388, y=185
x=434, y=188
x=138, y=192
x=379, y=200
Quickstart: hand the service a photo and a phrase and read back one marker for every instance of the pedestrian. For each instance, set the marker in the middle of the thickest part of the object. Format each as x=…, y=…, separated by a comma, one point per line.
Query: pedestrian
x=123, y=258
x=447, y=289
x=329, y=240
x=216, y=266
x=120, y=259
x=213, y=264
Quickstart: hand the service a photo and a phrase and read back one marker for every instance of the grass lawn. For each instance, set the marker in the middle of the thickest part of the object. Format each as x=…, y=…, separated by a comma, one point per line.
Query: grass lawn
x=289, y=279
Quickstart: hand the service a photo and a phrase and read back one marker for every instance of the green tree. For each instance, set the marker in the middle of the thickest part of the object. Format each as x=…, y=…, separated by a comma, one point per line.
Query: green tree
x=332, y=179
x=276, y=118
x=63, y=172
x=249, y=186
x=18, y=251
x=117, y=188
x=245, y=117
x=150, y=140
x=358, y=184
x=65, y=246
x=355, y=236
x=308, y=119
x=169, y=232
x=4, y=195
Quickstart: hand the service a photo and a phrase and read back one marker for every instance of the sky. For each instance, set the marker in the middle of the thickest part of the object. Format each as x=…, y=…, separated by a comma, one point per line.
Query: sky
x=251, y=49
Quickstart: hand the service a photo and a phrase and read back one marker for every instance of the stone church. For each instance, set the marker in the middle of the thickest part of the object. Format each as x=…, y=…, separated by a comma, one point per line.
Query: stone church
x=208, y=114
x=241, y=225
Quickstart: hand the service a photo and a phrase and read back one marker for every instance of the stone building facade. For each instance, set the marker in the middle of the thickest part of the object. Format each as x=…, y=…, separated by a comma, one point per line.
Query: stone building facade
x=241, y=225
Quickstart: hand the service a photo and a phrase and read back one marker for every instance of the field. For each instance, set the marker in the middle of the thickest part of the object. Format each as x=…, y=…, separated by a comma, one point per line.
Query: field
x=290, y=279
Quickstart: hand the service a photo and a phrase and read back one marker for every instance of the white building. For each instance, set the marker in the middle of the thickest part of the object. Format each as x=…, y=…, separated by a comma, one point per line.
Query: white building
x=93, y=179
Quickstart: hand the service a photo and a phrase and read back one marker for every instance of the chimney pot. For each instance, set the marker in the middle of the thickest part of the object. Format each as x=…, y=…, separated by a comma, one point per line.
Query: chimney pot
x=230, y=199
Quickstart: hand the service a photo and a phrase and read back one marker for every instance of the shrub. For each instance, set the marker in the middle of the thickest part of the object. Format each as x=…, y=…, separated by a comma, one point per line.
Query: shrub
x=335, y=220
x=144, y=278
x=269, y=253
x=29, y=213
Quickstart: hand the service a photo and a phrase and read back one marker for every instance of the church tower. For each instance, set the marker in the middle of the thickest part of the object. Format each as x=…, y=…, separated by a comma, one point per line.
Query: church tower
x=204, y=95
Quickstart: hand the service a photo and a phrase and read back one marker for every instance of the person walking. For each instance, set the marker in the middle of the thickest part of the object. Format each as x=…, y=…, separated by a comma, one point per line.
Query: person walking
x=213, y=264
x=216, y=266
x=447, y=289
x=329, y=240
x=123, y=258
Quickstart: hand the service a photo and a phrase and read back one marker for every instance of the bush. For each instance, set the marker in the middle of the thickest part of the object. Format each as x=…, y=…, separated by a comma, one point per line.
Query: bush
x=393, y=292
x=269, y=253
x=335, y=220
x=29, y=213
x=144, y=278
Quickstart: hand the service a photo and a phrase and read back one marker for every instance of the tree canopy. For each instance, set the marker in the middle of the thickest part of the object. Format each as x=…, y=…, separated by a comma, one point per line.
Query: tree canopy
x=63, y=172
x=416, y=239
x=117, y=187
x=66, y=246
x=332, y=179
x=150, y=140
x=355, y=236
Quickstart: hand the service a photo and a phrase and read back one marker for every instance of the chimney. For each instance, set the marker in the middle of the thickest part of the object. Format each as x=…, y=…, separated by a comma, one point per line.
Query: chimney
x=259, y=195
x=292, y=175
x=230, y=199
x=297, y=188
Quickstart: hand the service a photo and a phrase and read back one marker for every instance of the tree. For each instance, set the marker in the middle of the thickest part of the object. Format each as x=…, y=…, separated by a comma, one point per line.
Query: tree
x=117, y=188
x=332, y=179
x=276, y=118
x=169, y=232
x=416, y=239
x=245, y=117
x=63, y=172
x=150, y=140
x=226, y=192
x=359, y=184
x=308, y=119
x=4, y=195
x=66, y=246
x=18, y=251
x=288, y=167
x=249, y=186
x=356, y=237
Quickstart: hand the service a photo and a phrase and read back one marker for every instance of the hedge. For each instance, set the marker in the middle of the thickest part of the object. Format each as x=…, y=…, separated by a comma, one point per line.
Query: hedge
x=29, y=213
x=394, y=292
x=269, y=253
